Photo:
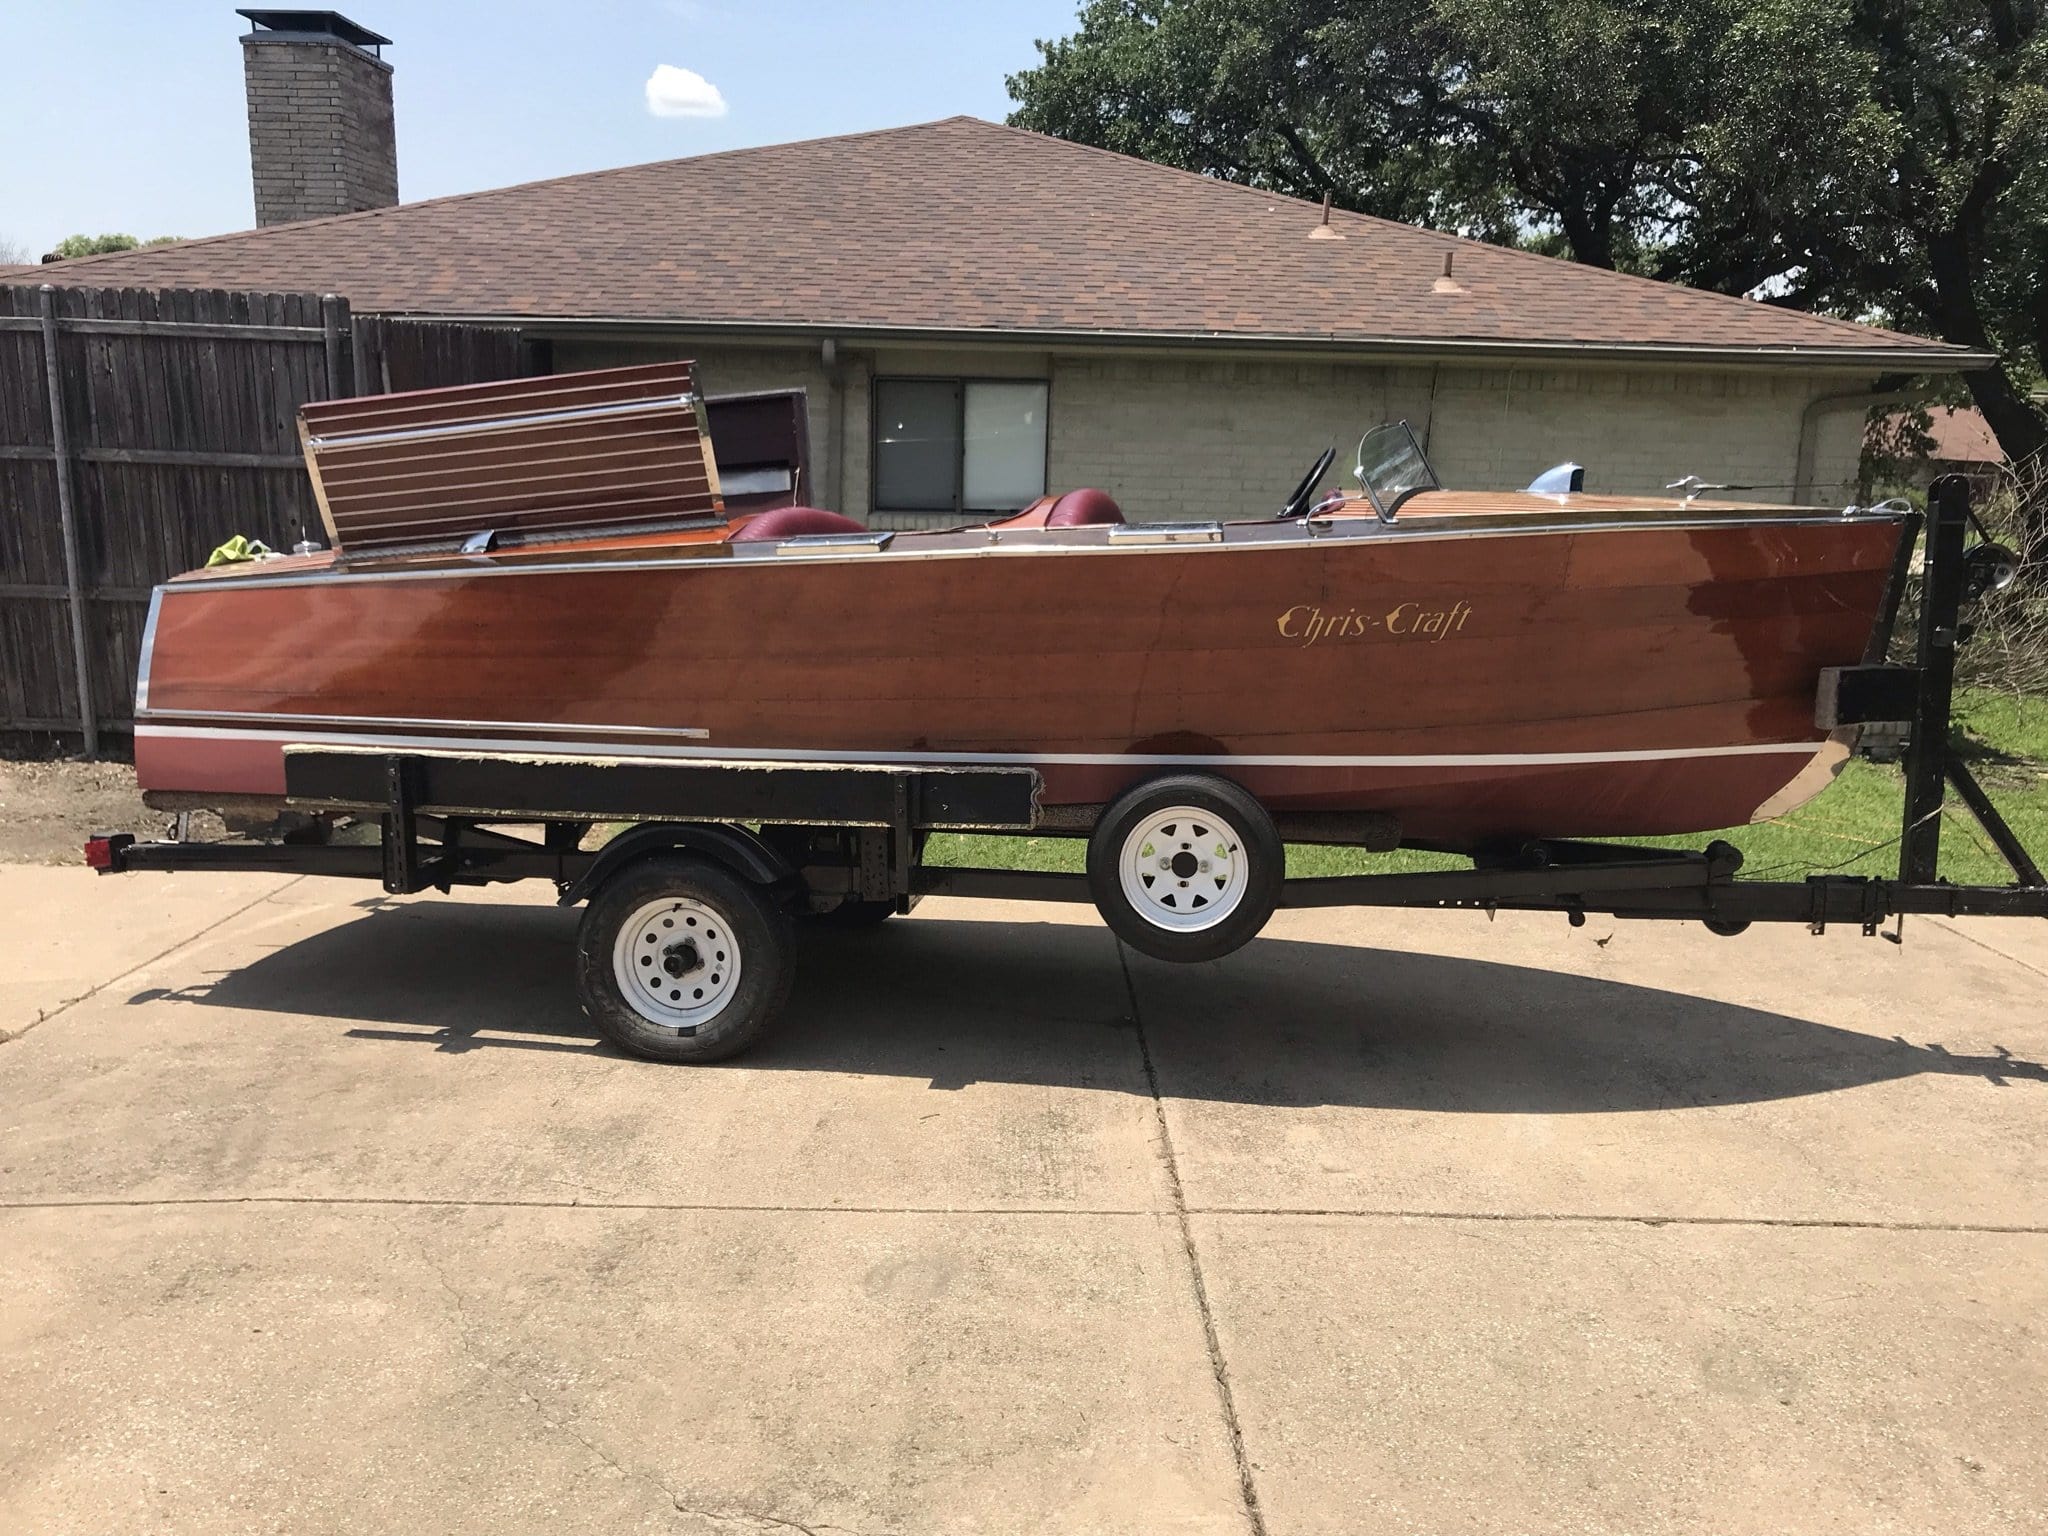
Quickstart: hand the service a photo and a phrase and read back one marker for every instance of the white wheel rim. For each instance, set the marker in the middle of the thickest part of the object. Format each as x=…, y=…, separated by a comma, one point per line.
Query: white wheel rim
x=677, y=962
x=1184, y=869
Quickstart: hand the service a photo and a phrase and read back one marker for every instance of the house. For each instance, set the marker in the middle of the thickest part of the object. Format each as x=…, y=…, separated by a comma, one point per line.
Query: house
x=1957, y=441
x=1961, y=442
x=979, y=313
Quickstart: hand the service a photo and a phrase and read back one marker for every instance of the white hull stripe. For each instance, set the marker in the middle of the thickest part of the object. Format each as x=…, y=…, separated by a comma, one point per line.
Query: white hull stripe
x=653, y=750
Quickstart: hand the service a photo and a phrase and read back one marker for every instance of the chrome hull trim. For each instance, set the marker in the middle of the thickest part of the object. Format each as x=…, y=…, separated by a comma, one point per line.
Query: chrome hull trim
x=645, y=749
x=508, y=422
x=685, y=732
x=156, y=602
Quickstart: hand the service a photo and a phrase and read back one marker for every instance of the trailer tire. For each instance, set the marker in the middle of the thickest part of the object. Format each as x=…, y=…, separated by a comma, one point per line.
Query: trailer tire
x=1205, y=890
x=679, y=959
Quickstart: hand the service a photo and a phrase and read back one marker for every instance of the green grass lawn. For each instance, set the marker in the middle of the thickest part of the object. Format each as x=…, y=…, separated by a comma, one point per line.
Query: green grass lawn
x=1849, y=828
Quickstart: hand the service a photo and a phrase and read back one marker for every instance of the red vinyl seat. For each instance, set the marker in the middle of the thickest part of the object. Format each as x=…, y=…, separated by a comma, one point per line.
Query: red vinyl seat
x=793, y=523
x=1078, y=509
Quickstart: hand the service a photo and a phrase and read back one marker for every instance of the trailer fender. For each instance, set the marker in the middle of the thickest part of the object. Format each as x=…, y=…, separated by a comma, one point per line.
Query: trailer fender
x=734, y=847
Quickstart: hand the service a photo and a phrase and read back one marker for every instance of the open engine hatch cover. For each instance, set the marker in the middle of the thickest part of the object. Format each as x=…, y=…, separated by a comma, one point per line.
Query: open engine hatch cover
x=610, y=448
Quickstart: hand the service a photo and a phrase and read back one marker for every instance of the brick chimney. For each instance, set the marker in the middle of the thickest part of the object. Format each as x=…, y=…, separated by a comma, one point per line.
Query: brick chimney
x=321, y=139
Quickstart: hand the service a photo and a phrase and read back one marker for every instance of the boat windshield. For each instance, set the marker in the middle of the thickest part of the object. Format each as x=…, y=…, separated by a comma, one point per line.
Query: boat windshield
x=1391, y=467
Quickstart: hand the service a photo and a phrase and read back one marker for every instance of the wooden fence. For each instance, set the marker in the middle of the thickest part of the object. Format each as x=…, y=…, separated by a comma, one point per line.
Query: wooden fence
x=139, y=429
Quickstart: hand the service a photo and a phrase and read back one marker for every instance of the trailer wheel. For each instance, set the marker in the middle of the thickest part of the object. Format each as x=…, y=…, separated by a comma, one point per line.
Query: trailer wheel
x=680, y=959
x=1185, y=867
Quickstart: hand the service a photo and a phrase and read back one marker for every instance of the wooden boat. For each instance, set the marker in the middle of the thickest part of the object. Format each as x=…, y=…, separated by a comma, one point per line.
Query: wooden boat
x=552, y=567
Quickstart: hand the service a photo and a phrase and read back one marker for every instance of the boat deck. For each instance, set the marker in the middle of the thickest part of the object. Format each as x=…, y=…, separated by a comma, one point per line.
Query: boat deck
x=1432, y=514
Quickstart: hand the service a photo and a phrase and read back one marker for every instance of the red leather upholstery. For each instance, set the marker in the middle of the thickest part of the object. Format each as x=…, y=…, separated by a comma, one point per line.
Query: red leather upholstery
x=794, y=522
x=1077, y=509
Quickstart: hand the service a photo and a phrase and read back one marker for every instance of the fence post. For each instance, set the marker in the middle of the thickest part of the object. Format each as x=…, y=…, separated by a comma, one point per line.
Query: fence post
x=362, y=363
x=333, y=320
x=60, y=442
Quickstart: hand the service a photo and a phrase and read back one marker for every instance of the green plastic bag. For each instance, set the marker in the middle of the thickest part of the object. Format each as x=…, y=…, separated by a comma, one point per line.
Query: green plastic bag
x=238, y=549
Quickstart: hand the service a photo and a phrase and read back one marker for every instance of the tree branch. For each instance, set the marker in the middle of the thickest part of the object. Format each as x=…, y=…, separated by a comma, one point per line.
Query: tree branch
x=1291, y=137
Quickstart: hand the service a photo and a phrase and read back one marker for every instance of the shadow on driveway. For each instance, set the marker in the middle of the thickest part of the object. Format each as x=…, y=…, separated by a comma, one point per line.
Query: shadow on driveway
x=1282, y=1022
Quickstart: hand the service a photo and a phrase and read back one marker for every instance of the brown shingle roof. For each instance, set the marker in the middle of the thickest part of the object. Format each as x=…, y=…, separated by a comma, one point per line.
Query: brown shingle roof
x=963, y=225
x=1961, y=435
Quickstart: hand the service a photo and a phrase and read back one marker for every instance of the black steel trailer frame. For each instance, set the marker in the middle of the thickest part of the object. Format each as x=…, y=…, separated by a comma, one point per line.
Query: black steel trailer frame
x=825, y=834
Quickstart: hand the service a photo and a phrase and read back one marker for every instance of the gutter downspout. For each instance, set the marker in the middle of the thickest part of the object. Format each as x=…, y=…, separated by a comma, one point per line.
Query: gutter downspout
x=1886, y=391
x=859, y=369
x=835, y=428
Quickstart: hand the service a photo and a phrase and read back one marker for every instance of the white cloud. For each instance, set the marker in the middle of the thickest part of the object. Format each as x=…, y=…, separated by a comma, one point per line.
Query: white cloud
x=677, y=92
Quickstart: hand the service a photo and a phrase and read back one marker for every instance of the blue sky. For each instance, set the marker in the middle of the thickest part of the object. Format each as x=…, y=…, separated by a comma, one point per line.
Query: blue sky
x=127, y=115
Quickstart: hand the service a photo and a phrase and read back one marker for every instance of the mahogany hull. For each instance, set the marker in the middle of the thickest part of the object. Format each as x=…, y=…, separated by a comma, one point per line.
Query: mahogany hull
x=1621, y=680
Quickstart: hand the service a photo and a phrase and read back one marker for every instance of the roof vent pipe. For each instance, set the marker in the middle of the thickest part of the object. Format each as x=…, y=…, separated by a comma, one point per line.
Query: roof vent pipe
x=1323, y=231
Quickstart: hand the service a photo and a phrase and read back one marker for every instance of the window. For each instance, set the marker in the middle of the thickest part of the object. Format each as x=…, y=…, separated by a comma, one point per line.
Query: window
x=959, y=445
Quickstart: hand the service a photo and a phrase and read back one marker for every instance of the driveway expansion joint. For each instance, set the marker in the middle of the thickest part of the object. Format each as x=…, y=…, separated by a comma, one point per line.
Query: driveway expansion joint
x=1627, y=1219
x=1989, y=949
x=429, y=1202
x=1344, y=1213
x=44, y=1015
x=1248, y=1492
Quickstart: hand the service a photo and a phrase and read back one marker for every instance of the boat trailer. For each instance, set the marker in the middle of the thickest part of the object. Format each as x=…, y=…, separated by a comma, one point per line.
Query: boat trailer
x=844, y=842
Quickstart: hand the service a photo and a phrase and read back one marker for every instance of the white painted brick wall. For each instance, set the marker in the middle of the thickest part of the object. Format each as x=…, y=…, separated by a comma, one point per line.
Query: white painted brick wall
x=1174, y=437
x=1205, y=440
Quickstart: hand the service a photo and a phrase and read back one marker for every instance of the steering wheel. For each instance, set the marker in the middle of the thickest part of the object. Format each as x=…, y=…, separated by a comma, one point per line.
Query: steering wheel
x=1297, y=504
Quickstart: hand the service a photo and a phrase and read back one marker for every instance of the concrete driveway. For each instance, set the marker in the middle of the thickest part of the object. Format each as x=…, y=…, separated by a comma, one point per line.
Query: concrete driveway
x=323, y=1212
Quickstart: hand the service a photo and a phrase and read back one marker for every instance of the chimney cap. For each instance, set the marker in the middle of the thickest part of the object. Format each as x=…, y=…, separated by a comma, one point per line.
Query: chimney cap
x=315, y=24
